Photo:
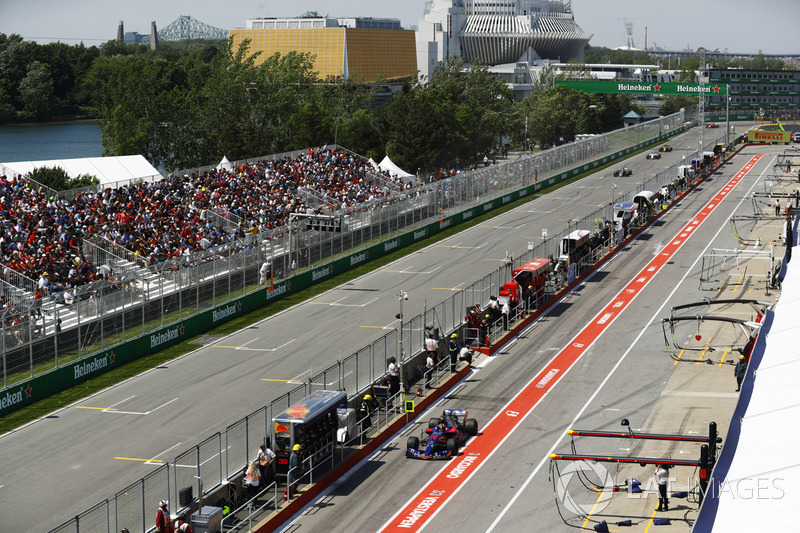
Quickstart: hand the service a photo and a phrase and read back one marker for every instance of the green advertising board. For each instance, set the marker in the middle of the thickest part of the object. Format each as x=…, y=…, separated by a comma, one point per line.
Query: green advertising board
x=636, y=87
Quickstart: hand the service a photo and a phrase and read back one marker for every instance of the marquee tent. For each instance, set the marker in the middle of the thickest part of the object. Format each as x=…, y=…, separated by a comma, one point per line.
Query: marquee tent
x=388, y=165
x=106, y=169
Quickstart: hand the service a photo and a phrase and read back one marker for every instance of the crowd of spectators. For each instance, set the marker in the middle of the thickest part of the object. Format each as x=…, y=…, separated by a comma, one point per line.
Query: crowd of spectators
x=41, y=237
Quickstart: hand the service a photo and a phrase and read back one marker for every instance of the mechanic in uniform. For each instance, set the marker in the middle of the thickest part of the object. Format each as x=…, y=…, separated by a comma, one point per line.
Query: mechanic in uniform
x=365, y=412
x=294, y=470
x=162, y=518
x=452, y=350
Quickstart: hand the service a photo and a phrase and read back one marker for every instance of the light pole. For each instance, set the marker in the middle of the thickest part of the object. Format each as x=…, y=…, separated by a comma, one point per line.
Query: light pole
x=613, y=188
x=403, y=296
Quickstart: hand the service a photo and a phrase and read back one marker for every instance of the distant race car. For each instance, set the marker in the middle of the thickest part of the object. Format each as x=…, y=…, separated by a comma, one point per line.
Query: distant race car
x=624, y=171
x=665, y=148
x=713, y=125
x=443, y=436
x=653, y=155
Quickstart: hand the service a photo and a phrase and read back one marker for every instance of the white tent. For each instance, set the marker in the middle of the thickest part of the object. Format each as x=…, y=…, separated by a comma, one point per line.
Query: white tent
x=388, y=165
x=756, y=481
x=106, y=169
x=224, y=164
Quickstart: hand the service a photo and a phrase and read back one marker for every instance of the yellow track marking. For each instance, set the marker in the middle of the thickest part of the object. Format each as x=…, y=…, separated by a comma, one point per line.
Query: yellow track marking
x=98, y=408
x=650, y=522
x=136, y=459
x=282, y=380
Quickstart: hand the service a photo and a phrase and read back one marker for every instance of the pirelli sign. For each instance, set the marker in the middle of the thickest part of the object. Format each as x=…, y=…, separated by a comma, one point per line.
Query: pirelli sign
x=764, y=136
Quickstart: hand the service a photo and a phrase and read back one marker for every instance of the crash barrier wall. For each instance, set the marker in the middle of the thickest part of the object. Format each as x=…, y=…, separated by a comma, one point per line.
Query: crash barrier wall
x=69, y=329
x=360, y=370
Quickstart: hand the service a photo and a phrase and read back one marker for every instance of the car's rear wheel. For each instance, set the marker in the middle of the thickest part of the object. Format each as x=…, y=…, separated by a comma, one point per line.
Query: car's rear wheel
x=433, y=422
x=412, y=443
x=471, y=426
x=452, y=446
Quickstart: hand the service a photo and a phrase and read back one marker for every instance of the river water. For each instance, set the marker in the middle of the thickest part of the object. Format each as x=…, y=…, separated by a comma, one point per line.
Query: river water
x=44, y=142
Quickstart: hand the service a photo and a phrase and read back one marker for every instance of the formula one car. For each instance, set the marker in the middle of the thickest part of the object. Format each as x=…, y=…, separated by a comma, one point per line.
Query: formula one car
x=665, y=148
x=713, y=125
x=624, y=171
x=653, y=155
x=443, y=436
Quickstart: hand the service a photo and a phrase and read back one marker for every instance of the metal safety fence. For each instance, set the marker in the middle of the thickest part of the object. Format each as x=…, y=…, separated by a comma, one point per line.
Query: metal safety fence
x=222, y=456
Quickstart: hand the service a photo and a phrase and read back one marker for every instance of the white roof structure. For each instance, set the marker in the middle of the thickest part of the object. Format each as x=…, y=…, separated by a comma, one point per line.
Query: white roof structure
x=388, y=165
x=224, y=164
x=106, y=169
x=756, y=482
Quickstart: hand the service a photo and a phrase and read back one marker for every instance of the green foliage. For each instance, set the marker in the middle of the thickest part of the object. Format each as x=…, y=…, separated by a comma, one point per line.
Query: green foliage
x=36, y=91
x=57, y=178
x=673, y=104
x=561, y=112
x=457, y=114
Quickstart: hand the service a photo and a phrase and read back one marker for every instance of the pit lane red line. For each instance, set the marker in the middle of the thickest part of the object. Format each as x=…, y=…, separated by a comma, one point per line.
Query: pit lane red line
x=431, y=498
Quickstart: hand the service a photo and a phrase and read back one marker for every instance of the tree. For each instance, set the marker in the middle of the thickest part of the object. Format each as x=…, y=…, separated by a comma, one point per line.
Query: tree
x=57, y=178
x=673, y=104
x=36, y=91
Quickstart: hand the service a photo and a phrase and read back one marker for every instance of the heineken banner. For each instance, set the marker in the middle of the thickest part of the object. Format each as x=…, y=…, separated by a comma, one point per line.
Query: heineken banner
x=636, y=87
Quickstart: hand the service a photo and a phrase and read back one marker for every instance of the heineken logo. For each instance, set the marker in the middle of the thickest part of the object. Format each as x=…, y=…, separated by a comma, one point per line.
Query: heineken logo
x=445, y=223
x=11, y=398
x=391, y=245
x=358, y=258
x=420, y=234
x=162, y=337
x=278, y=290
x=225, y=312
x=321, y=273
x=85, y=368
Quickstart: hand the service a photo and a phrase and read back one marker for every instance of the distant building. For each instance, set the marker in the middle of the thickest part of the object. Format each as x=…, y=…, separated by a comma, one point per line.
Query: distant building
x=763, y=92
x=366, y=48
x=497, y=32
x=132, y=37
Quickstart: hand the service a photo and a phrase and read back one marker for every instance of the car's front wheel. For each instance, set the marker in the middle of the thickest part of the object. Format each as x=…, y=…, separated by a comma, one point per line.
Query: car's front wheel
x=412, y=443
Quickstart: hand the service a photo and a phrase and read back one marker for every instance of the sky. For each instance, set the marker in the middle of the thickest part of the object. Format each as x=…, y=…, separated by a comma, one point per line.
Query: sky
x=735, y=25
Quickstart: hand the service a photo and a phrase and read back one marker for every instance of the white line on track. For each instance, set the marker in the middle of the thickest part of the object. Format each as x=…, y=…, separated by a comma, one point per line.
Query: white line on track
x=618, y=364
x=138, y=412
x=153, y=460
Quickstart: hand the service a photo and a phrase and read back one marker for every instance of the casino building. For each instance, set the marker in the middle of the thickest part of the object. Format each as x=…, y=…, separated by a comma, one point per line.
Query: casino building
x=498, y=32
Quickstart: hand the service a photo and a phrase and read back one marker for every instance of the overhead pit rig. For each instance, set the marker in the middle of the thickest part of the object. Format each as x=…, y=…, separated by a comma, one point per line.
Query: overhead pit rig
x=695, y=332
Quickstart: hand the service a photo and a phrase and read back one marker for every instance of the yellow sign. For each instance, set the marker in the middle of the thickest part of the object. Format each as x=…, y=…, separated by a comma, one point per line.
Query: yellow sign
x=767, y=136
x=409, y=405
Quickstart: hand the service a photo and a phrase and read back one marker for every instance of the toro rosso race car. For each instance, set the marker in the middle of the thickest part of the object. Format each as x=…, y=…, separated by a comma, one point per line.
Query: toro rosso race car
x=443, y=436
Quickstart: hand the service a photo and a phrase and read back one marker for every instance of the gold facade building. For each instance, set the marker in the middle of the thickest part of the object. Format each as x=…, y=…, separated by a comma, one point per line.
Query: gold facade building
x=366, y=54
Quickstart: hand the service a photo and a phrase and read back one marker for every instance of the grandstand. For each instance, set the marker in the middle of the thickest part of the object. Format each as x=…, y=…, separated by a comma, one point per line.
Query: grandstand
x=131, y=261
